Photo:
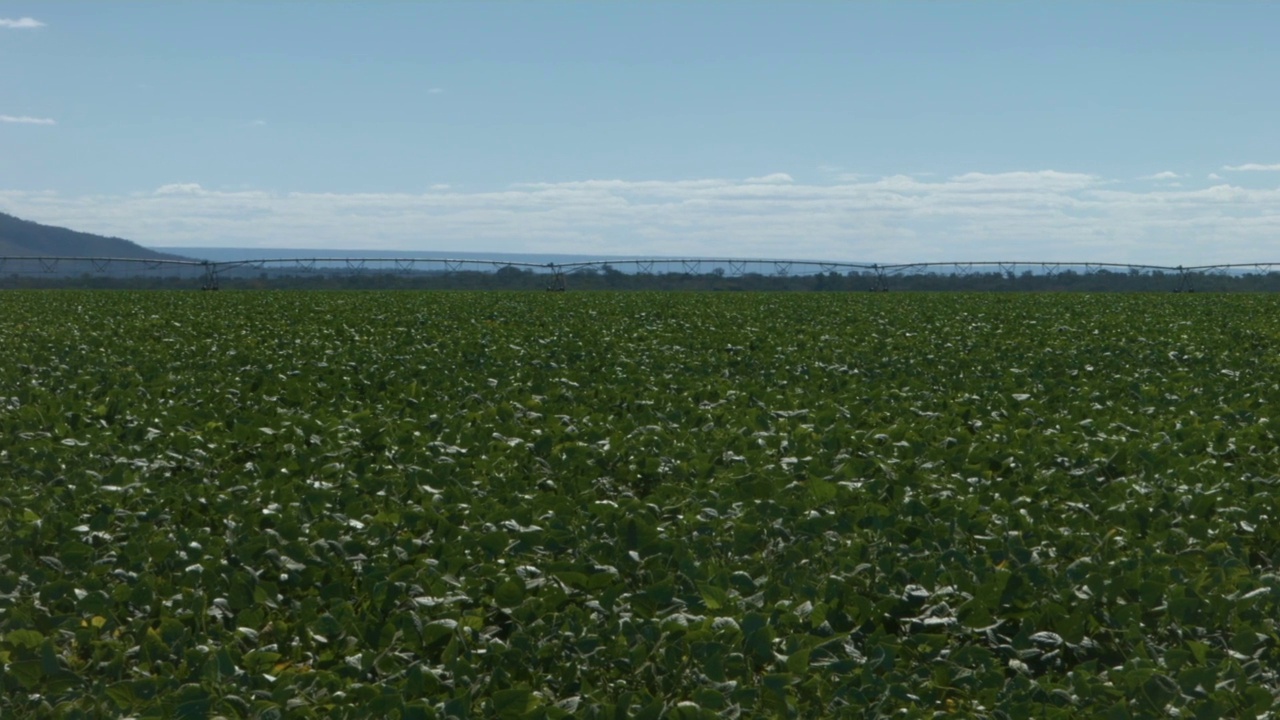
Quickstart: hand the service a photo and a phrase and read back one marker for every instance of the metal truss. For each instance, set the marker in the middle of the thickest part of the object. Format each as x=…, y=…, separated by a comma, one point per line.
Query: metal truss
x=879, y=276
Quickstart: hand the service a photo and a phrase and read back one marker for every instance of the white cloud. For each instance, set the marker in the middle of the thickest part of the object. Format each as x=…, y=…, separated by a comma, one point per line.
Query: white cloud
x=180, y=189
x=440, y=186
x=1040, y=180
x=27, y=120
x=435, y=90
x=1166, y=175
x=1252, y=167
x=1214, y=176
x=770, y=179
x=257, y=123
x=1030, y=215
x=24, y=23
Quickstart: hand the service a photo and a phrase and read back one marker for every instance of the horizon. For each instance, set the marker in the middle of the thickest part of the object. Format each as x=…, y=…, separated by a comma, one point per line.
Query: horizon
x=235, y=254
x=885, y=132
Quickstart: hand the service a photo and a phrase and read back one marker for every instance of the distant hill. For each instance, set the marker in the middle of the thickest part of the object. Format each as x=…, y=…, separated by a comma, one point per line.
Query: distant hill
x=26, y=238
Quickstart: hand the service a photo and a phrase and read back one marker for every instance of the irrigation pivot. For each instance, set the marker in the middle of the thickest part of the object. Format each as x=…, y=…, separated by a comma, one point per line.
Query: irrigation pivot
x=875, y=277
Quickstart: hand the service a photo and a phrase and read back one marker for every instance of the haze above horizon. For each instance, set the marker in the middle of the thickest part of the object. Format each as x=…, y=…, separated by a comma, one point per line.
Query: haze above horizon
x=882, y=132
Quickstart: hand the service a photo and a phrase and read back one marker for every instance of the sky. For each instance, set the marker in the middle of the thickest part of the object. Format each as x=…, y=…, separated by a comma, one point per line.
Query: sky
x=898, y=131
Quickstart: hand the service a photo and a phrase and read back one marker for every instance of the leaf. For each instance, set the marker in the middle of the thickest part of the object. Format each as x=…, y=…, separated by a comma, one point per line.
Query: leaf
x=713, y=597
x=509, y=594
x=436, y=630
x=193, y=702
x=28, y=639
x=28, y=672
x=122, y=694
x=798, y=662
x=419, y=710
x=1199, y=650
x=512, y=703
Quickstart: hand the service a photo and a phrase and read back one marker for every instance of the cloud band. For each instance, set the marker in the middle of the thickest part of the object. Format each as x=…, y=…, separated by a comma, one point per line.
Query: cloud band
x=1252, y=167
x=26, y=120
x=1034, y=215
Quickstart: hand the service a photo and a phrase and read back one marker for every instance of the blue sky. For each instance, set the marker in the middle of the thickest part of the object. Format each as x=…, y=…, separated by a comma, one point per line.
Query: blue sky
x=1137, y=131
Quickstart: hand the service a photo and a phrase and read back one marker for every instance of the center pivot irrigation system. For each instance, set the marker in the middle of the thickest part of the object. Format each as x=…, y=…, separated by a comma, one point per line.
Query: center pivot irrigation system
x=878, y=277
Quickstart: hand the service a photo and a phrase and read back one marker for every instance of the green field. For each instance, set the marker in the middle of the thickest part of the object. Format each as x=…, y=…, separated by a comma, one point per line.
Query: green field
x=638, y=505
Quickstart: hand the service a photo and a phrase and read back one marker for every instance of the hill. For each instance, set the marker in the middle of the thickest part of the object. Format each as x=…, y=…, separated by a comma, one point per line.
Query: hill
x=20, y=237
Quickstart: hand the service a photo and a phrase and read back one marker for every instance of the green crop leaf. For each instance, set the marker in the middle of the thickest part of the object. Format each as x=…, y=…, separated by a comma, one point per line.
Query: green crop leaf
x=193, y=701
x=28, y=672
x=512, y=703
x=437, y=630
x=715, y=598
x=28, y=639
x=509, y=594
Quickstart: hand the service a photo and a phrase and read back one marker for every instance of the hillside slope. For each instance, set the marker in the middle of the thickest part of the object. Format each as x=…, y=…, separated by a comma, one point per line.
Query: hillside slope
x=25, y=238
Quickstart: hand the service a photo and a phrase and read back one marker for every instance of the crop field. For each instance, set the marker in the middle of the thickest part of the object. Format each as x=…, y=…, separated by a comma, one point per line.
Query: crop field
x=505, y=505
